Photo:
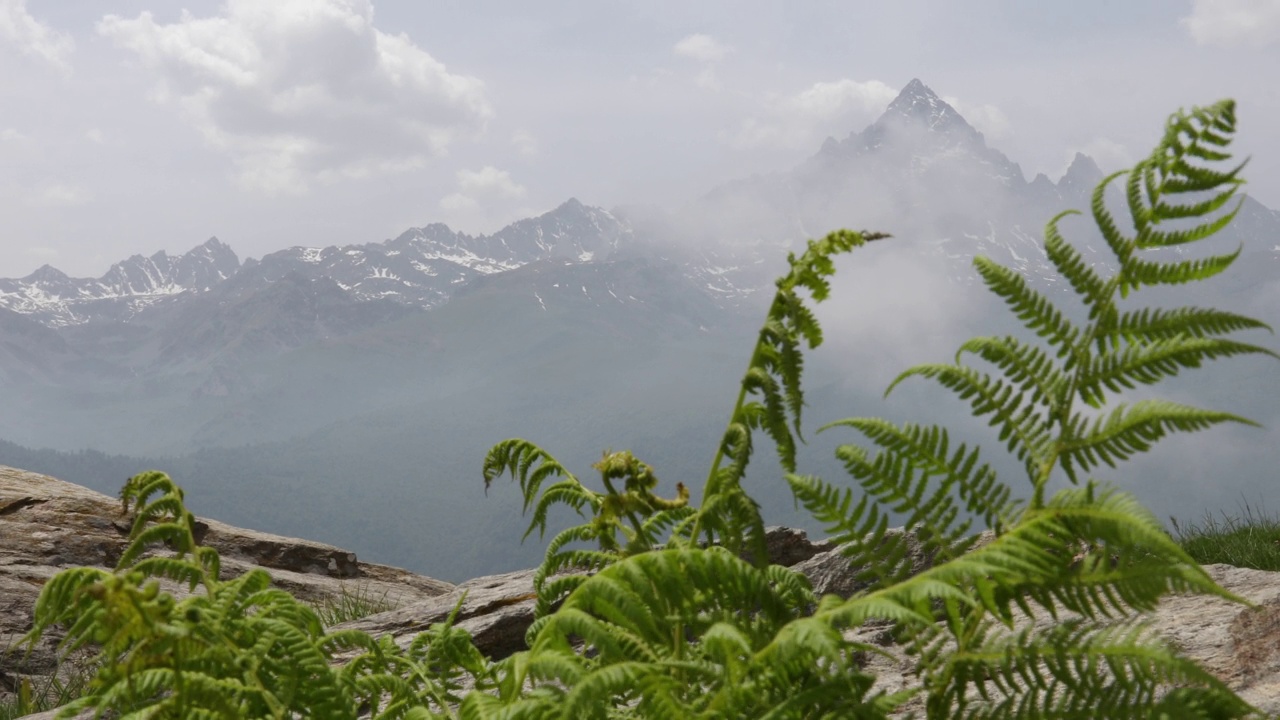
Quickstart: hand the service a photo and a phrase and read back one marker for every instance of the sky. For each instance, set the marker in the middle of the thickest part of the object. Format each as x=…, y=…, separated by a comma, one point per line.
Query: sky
x=131, y=127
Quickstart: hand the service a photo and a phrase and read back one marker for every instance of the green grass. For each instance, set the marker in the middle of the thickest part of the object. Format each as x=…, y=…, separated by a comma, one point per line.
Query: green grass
x=1250, y=539
x=41, y=694
x=352, y=604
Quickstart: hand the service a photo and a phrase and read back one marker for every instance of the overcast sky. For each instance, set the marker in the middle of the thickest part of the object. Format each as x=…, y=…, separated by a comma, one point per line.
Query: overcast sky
x=130, y=127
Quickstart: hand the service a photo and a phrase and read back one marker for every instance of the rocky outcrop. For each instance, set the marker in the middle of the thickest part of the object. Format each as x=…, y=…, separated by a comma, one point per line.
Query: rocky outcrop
x=47, y=524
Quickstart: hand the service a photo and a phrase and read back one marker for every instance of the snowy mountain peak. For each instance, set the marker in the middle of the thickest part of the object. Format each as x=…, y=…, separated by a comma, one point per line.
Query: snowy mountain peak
x=918, y=106
x=44, y=275
x=1080, y=177
x=422, y=267
x=55, y=299
x=1082, y=167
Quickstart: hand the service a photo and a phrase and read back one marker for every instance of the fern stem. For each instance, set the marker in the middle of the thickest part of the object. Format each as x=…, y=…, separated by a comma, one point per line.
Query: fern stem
x=712, y=485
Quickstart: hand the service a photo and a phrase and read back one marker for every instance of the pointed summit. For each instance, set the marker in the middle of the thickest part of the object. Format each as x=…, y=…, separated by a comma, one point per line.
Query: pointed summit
x=915, y=88
x=46, y=274
x=919, y=106
x=1081, y=176
x=570, y=205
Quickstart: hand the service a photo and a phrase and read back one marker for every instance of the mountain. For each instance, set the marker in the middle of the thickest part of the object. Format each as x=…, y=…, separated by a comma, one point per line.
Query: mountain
x=360, y=385
x=921, y=172
x=418, y=269
x=198, y=363
x=422, y=266
x=51, y=297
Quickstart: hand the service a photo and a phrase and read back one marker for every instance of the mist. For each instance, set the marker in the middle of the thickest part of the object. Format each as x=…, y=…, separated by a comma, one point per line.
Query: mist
x=348, y=393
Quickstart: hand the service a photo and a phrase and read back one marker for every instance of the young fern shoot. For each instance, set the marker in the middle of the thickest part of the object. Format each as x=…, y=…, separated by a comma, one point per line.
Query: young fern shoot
x=631, y=519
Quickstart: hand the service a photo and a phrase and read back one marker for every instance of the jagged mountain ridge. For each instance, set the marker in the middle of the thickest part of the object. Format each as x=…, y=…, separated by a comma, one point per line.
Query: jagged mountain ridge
x=203, y=326
x=921, y=172
x=420, y=268
x=52, y=298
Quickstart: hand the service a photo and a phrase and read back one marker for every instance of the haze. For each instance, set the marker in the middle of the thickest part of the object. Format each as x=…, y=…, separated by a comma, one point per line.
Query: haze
x=131, y=127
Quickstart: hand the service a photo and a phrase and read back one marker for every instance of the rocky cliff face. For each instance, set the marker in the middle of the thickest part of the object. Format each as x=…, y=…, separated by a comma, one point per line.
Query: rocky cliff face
x=47, y=525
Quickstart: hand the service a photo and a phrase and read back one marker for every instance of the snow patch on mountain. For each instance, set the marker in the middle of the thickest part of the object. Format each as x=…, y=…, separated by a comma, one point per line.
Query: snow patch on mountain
x=128, y=287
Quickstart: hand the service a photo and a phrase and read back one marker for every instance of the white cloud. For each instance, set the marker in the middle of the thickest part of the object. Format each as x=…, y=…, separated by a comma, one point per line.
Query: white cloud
x=525, y=143
x=702, y=48
x=300, y=91
x=481, y=194
x=824, y=108
x=706, y=50
x=1228, y=22
x=58, y=195
x=988, y=119
x=11, y=135
x=34, y=37
x=94, y=135
x=44, y=253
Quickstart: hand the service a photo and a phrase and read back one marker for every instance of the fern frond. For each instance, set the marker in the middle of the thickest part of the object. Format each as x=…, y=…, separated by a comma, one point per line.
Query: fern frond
x=1026, y=366
x=1023, y=426
x=1036, y=312
x=1152, y=324
x=1073, y=669
x=1130, y=429
x=1140, y=273
x=842, y=521
x=567, y=492
x=1121, y=246
x=1068, y=261
x=927, y=448
x=1150, y=362
x=529, y=464
x=774, y=376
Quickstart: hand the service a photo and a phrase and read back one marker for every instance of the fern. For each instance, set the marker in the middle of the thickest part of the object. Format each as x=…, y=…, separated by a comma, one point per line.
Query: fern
x=1091, y=552
x=773, y=376
x=626, y=519
x=1044, y=620
x=632, y=519
x=666, y=635
x=234, y=648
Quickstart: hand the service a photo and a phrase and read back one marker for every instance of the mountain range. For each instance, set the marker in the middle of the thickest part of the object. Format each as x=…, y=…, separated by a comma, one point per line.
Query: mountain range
x=358, y=386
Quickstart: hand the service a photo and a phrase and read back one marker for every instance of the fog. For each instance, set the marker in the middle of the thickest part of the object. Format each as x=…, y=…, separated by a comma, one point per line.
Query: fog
x=281, y=403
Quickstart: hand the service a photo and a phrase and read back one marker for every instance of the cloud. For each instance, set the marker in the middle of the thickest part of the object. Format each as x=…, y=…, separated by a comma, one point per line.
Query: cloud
x=525, y=143
x=58, y=195
x=305, y=91
x=44, y=253
x=11, y=135
x=1229, y=22
x=33, y=37
x=702, y=48
x=706, y=50
x=481, y=188
x=822, y=109
x=988, y=119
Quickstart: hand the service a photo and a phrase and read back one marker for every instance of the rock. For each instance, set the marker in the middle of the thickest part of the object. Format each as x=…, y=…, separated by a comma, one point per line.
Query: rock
x=497, y=611
x=47, y=525
x=831, y=573
x=1238, y=644
x=789, y=546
